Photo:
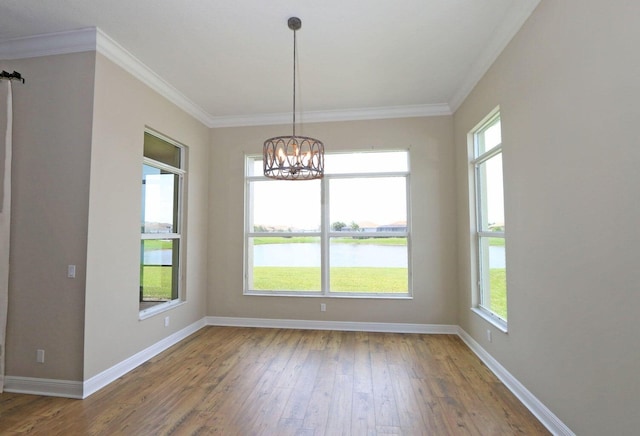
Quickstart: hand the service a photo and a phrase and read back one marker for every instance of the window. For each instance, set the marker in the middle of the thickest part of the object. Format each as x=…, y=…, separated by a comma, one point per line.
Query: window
x=491, y=298
x=161, y=221
x=344, y=235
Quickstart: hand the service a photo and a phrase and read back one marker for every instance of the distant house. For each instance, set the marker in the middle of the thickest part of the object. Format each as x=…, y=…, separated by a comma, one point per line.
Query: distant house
x=368, y=226
x=398, y=226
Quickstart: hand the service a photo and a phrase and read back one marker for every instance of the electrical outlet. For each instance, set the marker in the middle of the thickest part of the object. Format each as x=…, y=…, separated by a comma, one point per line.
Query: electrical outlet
x=323, y=307
x=489, y=338
x=166, y=321
x=39, y=356
x=71, y=271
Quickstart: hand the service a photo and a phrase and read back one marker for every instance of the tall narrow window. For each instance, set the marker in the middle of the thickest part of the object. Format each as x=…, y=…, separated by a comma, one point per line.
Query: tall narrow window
x=489, y=219
x=161, y=221
x=344, y=235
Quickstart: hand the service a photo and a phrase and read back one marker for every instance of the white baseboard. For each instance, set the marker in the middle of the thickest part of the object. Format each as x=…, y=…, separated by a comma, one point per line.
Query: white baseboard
x=43, y=386
x=76, y=389
x=535, y=406
x=99, y=381
x=383, y=327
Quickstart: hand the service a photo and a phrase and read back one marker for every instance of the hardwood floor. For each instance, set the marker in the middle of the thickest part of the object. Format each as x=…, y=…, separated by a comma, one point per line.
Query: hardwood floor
x=243, y=381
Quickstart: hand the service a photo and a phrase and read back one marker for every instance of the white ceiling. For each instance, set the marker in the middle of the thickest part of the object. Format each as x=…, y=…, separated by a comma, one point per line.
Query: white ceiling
x=233, y=59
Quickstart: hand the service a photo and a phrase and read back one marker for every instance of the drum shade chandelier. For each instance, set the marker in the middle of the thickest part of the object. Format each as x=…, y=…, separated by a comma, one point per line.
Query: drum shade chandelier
x=293, y=157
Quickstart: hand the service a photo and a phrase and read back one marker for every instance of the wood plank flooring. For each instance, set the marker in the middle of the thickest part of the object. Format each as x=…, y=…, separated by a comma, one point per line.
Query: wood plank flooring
x=245, y=381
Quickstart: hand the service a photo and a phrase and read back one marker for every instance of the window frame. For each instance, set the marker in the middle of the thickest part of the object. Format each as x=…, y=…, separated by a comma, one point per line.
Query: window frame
x=326, y=233
x=478, y=197
x=179, y=231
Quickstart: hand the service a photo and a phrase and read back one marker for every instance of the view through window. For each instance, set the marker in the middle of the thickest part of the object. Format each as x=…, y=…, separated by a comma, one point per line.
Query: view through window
x=162, y=180
x=490, y=223
x=346, y=234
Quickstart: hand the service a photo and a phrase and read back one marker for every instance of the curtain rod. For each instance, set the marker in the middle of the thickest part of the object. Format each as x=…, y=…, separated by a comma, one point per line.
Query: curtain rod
x=5, y=75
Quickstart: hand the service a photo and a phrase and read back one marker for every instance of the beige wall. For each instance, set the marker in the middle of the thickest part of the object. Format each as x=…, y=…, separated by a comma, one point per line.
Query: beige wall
x=567, y=86
x=76, y=200
x=568, y=90
x=50, y=199
x=123, y=108
x=433, y=212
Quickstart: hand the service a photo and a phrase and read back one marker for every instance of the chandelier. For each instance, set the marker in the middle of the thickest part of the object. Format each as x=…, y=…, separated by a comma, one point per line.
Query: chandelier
x=293, y=157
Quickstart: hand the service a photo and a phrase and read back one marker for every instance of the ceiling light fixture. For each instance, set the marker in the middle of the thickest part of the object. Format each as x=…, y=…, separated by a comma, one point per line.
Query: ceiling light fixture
x=293, y=157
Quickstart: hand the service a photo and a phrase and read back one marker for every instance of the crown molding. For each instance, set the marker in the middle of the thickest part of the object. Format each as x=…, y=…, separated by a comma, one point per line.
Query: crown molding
x=113, y=51
x=73, y=41
x=375, y=113
x=94, y=39
x=503, y=35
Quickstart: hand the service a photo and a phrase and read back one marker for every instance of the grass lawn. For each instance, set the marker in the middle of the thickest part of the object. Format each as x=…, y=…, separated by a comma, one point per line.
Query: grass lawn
x=157, y=244
x=383, y=280
x=157, y=282
x=498, y=283
x=157, y=278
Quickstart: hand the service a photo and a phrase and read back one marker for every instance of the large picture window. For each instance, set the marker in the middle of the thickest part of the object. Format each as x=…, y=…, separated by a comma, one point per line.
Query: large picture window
x=161, y=221
x=490, y=240
x=344, y=235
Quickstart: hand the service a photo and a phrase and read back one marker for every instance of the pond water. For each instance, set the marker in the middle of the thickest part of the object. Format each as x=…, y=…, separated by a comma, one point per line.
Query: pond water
x=341, y=255
x=157, y=257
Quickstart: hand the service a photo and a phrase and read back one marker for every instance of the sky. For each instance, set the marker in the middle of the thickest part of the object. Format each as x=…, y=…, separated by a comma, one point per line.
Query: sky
x=297, y=204
x=495, y=191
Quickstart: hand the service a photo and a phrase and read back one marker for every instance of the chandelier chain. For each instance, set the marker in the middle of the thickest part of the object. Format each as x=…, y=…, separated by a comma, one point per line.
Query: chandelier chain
x=294, y=82
x=293, y=157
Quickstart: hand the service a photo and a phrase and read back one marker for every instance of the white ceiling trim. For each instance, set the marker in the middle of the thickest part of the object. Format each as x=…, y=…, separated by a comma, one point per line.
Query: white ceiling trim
x=504, y=34
x=120, y=56
x=74, y=41
x=89, y=39
x=376, y=113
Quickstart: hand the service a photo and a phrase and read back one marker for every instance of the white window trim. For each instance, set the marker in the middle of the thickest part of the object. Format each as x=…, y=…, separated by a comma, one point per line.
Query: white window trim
x=325, y=235
x=491, y=318
x=182, y=176
x=159, y=308
x=476, y=220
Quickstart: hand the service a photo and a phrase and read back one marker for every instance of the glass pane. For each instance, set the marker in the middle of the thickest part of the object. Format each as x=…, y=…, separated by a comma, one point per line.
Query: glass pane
x=493, y=271
x=488, y=137
x=368, y=204
x=159, y=200
x=280, y=263
x=284, y=206
x=363, y=162
x=159, y=269
x=254, y=166
x=368, y=264
x=162, y=151
x=491, y=195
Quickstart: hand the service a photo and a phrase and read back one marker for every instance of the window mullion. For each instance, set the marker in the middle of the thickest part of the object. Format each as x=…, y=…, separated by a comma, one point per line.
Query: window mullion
x=490, y=289
x=487, y=155
x=324, y=238
x=160, y=235
x=490, y=234
x=337, y=188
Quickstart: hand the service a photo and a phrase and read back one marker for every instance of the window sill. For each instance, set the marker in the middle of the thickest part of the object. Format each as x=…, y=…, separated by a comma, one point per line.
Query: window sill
x=316, y=295
x=159, y=308
x=491, y=319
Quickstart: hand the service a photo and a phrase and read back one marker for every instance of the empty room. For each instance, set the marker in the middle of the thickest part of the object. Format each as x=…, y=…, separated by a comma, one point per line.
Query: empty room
x=337, y=217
